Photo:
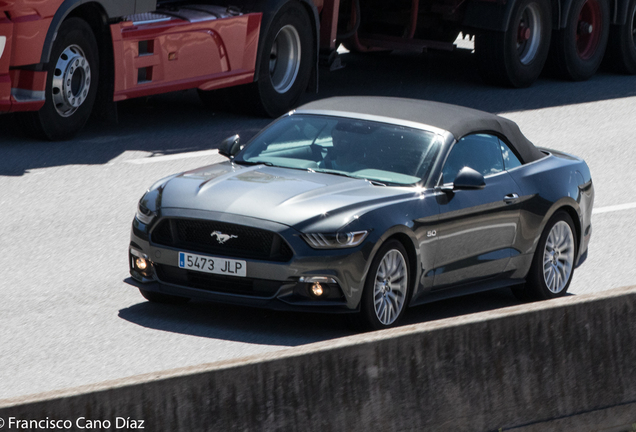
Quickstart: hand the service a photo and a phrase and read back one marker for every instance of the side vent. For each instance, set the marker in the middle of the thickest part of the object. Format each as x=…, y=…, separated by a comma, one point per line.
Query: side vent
x=146, y=47
x=144, y=75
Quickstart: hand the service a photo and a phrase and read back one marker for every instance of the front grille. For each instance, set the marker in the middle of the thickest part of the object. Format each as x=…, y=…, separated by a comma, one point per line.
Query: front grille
x=198, y=235
x=217, y=283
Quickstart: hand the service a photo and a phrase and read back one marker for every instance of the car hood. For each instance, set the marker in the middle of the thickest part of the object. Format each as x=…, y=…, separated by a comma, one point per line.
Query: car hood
x=296, y=198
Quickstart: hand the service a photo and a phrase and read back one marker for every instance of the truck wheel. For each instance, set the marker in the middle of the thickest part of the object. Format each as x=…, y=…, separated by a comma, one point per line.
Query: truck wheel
x=286, y=62
x=516, y=57
x=578, y=49
x=621, y=53
x=71, y=84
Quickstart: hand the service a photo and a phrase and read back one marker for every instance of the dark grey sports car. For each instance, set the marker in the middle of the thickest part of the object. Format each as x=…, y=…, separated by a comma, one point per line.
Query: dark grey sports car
x=367, y=205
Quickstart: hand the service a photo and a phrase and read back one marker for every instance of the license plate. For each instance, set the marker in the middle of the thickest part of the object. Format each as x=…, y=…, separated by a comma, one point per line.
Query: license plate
x=206, y=264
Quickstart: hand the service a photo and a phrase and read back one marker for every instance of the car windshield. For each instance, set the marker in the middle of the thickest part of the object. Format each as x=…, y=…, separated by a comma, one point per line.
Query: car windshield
x=381, y=152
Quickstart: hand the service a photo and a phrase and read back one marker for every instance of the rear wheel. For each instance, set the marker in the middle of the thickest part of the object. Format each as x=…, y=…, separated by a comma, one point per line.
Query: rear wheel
x=621, y=52
x=553, y=263
x=155, y=297
x=71, y=84
x=387, y=287
x=578, y=49
x=285, y=66
x=516, y=57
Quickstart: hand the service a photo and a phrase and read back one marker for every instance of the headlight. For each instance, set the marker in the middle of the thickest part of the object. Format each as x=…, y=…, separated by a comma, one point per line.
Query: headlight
x=335, y=240
x=144, y=215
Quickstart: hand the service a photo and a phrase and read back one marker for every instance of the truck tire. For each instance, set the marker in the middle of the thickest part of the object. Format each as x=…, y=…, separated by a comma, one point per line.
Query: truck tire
x=516, y=57
x=621, y=53
x=286, y=60
x=578, y=49
x=71, y=84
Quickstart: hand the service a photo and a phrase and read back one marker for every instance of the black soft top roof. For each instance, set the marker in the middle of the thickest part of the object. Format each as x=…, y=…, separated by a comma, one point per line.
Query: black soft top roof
x=457, y=120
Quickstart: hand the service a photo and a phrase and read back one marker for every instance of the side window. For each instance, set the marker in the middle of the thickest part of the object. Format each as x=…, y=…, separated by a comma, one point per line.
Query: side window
x=480, y=152
x=510, y=159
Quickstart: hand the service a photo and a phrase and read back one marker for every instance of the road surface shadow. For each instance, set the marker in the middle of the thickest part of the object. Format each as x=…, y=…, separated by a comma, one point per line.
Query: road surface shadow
x=178, y=122
x=266, y=327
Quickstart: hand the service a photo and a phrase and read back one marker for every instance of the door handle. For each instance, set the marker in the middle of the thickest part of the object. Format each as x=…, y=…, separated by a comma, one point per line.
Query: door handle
x=510, y=198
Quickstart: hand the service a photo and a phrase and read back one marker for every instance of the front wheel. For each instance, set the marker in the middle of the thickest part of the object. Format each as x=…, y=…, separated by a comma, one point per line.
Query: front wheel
x=387, y=287
x=516, y=57
x=71, y=84
x=553, y=263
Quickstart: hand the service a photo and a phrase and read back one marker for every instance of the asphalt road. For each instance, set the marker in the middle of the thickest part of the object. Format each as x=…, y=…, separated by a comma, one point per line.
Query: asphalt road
x=67, y=316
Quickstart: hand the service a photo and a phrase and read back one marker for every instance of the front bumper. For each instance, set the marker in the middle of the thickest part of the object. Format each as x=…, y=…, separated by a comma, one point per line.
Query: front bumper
x=268, y=284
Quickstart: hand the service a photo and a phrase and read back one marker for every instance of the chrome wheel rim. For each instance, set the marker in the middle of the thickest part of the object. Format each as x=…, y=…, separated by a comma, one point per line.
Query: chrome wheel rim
x=71, y=81
x=558, y=257
x=391, y=284
x=284, y=59
x=529, y=34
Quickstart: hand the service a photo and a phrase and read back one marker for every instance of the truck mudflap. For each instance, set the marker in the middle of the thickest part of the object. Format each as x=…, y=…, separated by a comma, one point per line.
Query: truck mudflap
x=197, y=46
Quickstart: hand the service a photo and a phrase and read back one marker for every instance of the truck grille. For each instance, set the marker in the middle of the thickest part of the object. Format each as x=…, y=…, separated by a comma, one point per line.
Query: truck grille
x=231, y=240
x=217, y=283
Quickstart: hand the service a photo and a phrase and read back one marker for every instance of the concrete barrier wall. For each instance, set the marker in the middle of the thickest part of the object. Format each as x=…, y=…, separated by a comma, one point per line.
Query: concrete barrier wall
x=568, y=364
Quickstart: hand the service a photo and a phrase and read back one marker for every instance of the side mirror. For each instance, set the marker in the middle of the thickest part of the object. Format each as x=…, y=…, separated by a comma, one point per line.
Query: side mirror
x=468, y=178
x=230, y=146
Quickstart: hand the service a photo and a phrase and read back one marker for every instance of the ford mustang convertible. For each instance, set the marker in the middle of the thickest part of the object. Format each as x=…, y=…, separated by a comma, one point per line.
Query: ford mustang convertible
x=366, y=205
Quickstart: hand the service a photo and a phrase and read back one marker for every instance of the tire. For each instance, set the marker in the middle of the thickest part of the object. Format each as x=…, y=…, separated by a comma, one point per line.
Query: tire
x=551, y=273
x=155, y=297
x=71, y=84
x=386, y=296
x=578, y=49
x=621, y=53
x=516, y=57
x=286, y=60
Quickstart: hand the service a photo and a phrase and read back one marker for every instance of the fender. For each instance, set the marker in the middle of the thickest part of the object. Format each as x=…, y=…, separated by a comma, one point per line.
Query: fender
x=113, y=8
x=495, y=16
x=270, y=9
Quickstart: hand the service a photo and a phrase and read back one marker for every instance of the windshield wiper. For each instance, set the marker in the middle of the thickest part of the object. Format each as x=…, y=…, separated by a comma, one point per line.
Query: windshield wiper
x=340, y=173
x=244, y=162
x=334, y=172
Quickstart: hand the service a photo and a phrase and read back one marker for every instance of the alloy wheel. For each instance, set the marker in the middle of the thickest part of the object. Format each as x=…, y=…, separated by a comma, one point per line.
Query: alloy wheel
x=558, y=257
x=391, y=285
x=71, y=81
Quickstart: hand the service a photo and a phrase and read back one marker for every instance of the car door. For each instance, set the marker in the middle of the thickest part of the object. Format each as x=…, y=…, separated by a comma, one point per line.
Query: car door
x=477, y=227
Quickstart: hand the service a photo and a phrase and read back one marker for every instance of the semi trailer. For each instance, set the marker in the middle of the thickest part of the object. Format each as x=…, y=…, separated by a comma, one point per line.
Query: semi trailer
x=63, y=60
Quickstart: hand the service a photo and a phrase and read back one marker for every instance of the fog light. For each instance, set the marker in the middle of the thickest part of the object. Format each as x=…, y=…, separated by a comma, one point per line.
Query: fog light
x=316, y=289
x=141, y=264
